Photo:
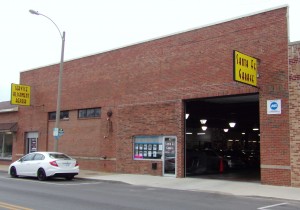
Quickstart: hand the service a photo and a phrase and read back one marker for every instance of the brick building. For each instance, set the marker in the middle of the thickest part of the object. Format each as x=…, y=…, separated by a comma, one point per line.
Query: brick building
x=124, y=110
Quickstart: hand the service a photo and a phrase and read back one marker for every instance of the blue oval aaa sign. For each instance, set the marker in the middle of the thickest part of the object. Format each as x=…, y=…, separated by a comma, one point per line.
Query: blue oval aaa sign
x=274, y=106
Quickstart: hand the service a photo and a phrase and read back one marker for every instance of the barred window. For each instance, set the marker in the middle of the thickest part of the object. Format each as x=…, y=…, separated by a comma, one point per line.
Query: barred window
x=63, y=115
x=89, y=113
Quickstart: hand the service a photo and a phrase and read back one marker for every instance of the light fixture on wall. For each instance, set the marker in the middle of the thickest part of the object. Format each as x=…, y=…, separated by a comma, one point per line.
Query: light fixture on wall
x=187, y=116
x=255, y=127
x=204, y=128
x=203, y=121
x=232, y=124
x=226, y=130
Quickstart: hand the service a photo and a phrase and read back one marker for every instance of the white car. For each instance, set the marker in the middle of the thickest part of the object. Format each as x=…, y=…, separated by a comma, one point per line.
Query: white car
x=43, y=165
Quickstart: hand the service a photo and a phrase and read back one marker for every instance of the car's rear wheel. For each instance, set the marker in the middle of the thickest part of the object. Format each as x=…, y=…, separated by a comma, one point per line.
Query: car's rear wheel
x=13, y=172
x=70, y=177
x=41, y=175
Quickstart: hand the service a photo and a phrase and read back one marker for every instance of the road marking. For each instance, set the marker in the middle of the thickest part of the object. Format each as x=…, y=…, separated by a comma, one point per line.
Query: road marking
x=266, y=207
x=13, y=207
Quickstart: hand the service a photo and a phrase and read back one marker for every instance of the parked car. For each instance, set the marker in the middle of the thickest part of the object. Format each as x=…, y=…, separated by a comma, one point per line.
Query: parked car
x=235, y=159
x=205, y=161
x=44, y=165
x=252, y=158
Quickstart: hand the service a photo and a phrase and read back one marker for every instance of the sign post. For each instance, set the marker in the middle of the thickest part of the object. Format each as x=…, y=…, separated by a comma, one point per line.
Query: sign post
x=58, y=132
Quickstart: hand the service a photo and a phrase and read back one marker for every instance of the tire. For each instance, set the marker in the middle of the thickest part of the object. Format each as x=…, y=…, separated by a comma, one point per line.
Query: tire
x=69, y=178
x=13, y=172
x=41, y=175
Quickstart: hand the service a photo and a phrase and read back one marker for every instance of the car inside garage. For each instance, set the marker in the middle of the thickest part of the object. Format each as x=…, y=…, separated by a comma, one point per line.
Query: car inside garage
x=223, y=138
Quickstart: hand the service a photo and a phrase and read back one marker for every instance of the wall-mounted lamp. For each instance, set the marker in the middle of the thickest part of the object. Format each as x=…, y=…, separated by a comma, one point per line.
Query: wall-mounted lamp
x=203, y=121
x=232, y=124
x=204, y=127
x=226, y=130
x=255, y=129
x=187, y=116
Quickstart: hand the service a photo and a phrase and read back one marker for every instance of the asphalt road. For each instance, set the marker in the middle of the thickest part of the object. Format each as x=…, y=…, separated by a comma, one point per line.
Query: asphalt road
x=85, y=194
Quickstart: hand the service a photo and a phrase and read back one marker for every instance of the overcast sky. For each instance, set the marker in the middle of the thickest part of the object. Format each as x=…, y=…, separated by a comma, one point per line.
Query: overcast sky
x=92, y=26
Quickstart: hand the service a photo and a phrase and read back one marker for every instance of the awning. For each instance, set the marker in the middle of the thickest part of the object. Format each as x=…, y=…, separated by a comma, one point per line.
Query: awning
x=8, y=127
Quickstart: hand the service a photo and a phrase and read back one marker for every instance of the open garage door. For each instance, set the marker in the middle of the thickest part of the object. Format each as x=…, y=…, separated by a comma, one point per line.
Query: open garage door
x=223, y=138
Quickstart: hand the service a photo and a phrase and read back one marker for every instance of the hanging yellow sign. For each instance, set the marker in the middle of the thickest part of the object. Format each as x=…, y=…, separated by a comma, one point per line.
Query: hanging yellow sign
x=20, y=95
x=244, y=68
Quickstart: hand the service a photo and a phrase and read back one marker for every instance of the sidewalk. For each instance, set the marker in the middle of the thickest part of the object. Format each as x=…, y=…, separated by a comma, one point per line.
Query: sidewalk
x=195, y=184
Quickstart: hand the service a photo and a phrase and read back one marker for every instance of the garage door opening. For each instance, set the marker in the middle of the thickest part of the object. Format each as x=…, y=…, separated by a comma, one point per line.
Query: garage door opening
x=223, y=138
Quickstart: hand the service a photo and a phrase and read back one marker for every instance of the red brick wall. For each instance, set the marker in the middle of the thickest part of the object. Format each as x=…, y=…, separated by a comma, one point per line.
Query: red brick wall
x=294, y=85
x=145, y=86
x=145, y=119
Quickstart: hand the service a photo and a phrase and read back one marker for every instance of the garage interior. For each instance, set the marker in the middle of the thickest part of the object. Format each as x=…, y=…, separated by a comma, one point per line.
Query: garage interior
x=216, y=149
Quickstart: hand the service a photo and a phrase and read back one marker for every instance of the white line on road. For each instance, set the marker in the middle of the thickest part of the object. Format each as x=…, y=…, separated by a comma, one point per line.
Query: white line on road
x=266, y=207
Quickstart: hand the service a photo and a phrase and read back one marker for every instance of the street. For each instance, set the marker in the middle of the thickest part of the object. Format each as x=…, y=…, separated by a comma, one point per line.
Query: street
x=29, y=193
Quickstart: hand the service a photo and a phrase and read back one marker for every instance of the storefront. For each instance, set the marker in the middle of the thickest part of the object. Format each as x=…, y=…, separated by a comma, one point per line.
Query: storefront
x=125, y=110
x=8, y=130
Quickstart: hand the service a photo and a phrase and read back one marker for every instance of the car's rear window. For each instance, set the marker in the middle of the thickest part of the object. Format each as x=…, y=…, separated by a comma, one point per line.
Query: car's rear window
x=59, y=156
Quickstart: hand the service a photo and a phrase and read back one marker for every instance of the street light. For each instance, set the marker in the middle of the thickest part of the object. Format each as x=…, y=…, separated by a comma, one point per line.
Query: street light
x=57, y=118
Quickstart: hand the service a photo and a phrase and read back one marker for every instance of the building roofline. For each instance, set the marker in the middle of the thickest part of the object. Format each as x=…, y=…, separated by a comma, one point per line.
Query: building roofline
x=294, y=43
x=169, y=35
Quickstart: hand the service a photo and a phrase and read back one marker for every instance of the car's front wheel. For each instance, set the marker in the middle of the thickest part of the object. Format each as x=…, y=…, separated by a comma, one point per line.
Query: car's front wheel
x=41, y=175
x=13, y=172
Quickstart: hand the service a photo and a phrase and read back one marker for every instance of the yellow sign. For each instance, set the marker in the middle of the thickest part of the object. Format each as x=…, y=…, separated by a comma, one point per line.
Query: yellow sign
x=20, y=95
x=244, y=68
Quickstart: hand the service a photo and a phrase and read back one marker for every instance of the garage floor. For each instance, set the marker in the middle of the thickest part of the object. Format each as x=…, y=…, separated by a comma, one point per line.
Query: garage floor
x=251, y=175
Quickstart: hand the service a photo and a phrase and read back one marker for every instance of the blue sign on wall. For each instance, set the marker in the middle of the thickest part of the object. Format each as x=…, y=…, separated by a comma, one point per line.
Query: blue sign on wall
x=274, y=106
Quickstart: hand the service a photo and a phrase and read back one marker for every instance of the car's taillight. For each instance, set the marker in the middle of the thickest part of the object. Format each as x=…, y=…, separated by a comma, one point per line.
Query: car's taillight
x=76, y=164
x=53, y=163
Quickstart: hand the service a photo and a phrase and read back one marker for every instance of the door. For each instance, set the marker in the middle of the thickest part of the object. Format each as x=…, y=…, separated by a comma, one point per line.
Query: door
x=169, y=161
x=31, y=142
x=32, y=145
x=24, y=165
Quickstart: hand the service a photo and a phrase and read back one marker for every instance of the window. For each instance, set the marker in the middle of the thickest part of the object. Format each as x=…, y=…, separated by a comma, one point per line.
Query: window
x=28, y=157
x=39, y=157
x=63, y=115
x=89, y=113
x=59, y=156
x=147, y=147
x=6, y=146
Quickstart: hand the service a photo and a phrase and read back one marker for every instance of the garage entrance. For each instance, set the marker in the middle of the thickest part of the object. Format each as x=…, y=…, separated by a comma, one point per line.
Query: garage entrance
x=223, y=138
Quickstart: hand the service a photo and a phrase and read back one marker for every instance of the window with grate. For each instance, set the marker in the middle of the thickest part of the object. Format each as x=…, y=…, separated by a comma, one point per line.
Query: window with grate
x=64, y=115
x=89, y=113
